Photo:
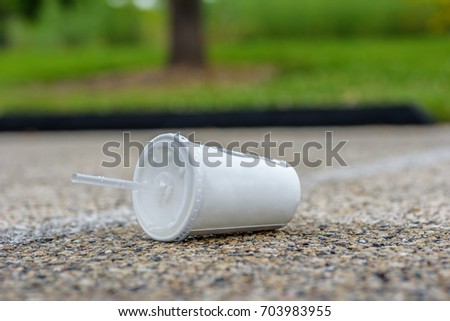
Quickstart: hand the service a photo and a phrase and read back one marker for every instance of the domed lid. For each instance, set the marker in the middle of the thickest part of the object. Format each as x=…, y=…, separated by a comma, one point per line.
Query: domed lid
x=168, y=209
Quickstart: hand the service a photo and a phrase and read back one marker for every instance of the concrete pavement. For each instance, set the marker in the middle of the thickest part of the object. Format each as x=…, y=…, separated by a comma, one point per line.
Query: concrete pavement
x=376, y=230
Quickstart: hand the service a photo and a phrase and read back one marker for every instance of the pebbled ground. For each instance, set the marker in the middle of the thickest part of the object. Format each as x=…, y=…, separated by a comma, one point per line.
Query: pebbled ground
x=377, y=230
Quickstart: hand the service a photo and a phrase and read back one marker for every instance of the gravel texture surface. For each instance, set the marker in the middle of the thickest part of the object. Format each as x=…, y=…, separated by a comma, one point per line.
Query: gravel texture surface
x=376, y=230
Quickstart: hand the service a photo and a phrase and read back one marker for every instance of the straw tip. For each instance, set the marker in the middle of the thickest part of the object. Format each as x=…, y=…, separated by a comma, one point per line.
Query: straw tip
x=74, y=177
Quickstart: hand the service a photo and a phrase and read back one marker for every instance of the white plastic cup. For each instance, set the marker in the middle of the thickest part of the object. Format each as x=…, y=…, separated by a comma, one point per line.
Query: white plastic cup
x=181, y=188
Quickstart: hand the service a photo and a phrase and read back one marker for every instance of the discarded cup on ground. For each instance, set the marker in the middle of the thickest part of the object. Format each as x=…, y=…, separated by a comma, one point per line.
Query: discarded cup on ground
x=182, y=188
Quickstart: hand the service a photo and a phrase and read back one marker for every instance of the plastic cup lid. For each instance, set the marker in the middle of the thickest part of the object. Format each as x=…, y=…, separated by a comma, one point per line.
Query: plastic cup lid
x=168, y=211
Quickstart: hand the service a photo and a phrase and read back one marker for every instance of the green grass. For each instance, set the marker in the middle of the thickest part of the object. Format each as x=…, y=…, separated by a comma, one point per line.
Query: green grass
x=317, y=18
x=307, y=72
x=21, y=67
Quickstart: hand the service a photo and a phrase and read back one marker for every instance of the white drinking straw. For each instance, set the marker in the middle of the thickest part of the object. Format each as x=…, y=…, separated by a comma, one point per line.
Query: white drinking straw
x=109, y=182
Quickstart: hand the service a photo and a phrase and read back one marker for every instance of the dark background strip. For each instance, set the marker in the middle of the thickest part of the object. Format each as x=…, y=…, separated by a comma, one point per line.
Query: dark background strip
x=343, y=116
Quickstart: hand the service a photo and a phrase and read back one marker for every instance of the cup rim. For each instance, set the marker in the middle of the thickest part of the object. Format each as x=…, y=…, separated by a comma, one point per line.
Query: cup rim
x=192, y=194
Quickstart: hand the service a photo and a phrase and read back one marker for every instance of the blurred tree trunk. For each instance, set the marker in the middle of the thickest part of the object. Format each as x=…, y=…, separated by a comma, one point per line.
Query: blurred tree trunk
x=186, y=43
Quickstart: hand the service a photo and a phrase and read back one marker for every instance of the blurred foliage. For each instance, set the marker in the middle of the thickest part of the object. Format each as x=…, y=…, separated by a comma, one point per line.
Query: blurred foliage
x=317, y=18
x=44, y=23
x=74, y=23
x=439, y=21
x=320, y=51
